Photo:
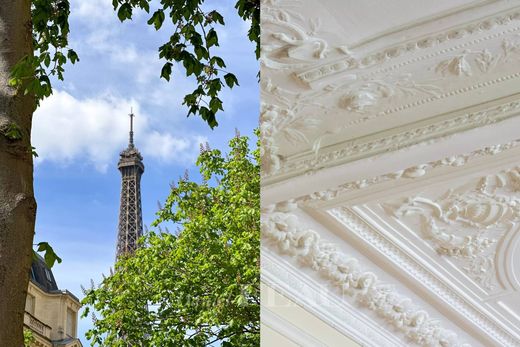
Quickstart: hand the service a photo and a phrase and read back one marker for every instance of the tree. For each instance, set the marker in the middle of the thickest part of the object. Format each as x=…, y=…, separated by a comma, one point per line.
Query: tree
x=28, y=338
x=33, y=53
x=194, y=35
x=17, y=203
x=202, y=284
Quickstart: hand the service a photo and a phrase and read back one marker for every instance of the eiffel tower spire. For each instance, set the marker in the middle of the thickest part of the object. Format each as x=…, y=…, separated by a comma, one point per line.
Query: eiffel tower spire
x=130, y=215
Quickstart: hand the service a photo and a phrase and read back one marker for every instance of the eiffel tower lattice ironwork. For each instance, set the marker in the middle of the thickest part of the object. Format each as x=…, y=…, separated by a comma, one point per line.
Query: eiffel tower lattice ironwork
x=130, y=215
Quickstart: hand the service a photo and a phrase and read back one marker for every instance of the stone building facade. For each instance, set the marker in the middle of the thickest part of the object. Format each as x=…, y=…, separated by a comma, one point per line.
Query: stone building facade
x=50, y=313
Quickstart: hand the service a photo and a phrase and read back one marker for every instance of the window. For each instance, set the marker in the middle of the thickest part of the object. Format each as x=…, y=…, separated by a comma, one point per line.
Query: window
x=29, y=304
x=71, y=323
x=48, y=275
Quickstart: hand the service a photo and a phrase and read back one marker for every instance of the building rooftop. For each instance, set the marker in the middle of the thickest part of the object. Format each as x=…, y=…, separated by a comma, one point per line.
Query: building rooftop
x=42, y=275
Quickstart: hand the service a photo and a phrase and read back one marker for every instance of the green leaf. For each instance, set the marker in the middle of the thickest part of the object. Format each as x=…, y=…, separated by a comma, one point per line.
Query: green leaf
x=211, y=38
x=157, y=19
x=33, y=152
x=47, y=60
x=166, y=71
x=201, y=52
x=216, y=17
x=231, y=80
x=215, y=104
x=50, y=256
x=73, y=56
x=124, y=12
x=219, y=61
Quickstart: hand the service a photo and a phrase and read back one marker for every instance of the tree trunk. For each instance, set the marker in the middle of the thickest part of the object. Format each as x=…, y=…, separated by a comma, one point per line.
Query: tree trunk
x=17, y=203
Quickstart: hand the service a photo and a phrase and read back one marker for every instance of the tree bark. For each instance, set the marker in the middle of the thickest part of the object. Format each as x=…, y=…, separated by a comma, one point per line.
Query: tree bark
x=17, y=203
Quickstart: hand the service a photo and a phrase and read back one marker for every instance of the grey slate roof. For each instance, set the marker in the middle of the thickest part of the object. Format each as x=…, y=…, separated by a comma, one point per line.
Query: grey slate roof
x=42, y=276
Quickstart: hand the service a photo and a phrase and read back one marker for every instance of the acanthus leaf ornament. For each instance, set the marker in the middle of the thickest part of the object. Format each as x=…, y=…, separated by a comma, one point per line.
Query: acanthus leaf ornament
x=464, y=63
x=292, y=42
x=365, y=93
x=460, y=222
x=457, y=65
x=281, y=119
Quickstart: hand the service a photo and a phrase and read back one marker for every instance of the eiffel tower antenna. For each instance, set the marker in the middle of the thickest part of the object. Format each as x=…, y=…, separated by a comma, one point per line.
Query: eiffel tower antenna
x=131, y=141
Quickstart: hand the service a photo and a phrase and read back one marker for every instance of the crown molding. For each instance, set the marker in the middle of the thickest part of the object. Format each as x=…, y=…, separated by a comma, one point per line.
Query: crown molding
x=297, y=43
x=429, y=130
x=355, y=122
x=283, y=231
x=335, y=69
x=281, y=275
x=287, y=329
x=409, y=173
x=464, y=306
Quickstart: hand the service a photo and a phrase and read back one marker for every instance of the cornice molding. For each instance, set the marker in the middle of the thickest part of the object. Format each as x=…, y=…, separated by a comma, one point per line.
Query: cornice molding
x=334, y=109
x=436, y=128
x=463, y=45
x=287, y=329
x=283, y=230
x=306, y=38
x=326, y=70
x=283, y=277
x=412, y=172
x=407, y=263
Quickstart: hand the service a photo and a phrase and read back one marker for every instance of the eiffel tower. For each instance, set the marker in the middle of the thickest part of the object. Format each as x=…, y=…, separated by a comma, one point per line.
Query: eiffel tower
x=130, y=215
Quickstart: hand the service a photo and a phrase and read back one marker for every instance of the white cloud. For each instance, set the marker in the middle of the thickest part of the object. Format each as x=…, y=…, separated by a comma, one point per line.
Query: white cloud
x=68, y=130
x=168, y=149
x=93, y=10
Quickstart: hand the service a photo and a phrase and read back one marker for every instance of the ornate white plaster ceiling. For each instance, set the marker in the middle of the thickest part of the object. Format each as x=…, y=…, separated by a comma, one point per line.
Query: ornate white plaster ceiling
x=334, y=90
x=391, y=179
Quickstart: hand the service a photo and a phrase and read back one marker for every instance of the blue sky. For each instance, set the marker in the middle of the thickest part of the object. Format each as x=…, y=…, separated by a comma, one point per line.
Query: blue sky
x=79, y=131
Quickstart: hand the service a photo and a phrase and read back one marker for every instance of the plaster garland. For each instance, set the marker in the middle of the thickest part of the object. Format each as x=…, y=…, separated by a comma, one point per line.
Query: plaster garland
x=424, y=101
x=339, y=314
x=365, y=93
x=282, y=228
x=380, y=57
x=444, y=51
